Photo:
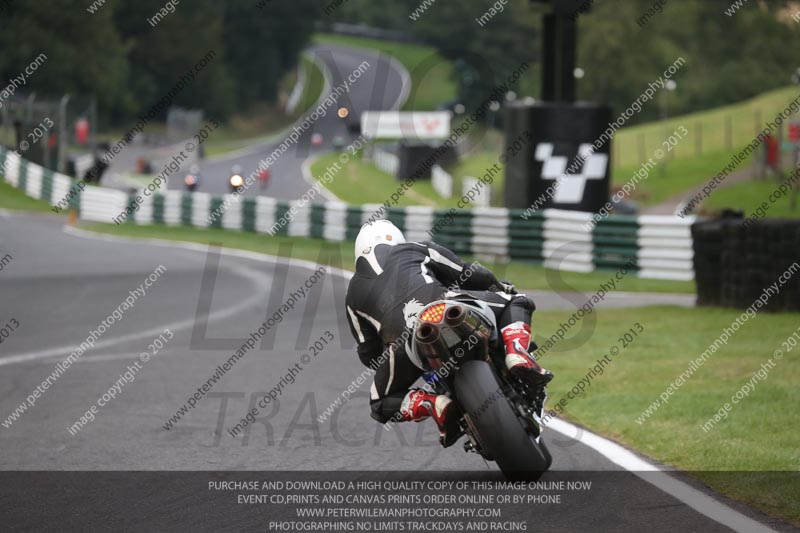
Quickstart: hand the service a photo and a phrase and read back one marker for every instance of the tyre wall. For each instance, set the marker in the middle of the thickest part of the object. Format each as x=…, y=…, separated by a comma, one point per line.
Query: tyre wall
x=734, y=262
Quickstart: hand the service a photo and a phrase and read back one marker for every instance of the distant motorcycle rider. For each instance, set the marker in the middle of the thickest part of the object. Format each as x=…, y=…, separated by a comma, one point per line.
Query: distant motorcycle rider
x=393, y=282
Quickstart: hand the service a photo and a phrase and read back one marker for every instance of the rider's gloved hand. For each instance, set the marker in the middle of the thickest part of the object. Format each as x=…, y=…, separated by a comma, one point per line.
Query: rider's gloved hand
x=508, y=287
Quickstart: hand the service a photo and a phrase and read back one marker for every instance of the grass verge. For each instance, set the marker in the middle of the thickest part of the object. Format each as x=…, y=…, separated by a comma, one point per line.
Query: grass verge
x=315, y=82
x=750, y=196
x=340, y=254
x=13, y=198
x=307, y=249
x=676, y=177
x=708, y=128
x=759, y=434
x=476, y=165
x=359, y=182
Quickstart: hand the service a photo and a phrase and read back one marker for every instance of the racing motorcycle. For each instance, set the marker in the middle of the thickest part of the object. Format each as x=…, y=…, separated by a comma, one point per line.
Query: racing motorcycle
x=192, y=179
x=191, y=182
x=236, y=180
x=456, y=341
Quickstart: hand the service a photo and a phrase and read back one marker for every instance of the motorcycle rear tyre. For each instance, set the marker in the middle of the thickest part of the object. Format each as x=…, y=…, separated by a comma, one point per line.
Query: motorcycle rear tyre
x=501, y=432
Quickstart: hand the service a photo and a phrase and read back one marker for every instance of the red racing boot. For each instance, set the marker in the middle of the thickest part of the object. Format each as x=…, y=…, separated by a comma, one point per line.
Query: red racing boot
x=419, y=405
x=517, y=338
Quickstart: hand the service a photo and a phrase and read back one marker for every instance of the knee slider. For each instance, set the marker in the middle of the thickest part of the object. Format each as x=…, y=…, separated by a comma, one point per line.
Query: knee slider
x=524, y=301
x=378, y=414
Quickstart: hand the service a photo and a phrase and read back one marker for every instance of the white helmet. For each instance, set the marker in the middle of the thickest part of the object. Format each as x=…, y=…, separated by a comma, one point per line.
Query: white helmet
x=375, y=233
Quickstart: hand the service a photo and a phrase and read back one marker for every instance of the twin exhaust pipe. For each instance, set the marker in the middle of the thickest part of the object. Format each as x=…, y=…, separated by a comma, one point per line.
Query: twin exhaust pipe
x=428, y=332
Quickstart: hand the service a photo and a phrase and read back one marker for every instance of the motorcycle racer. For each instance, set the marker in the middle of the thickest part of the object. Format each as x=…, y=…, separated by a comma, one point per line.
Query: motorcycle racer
x=393, y=282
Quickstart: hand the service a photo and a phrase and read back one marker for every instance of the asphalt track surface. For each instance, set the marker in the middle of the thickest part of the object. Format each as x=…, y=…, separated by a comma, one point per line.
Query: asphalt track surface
x=61, y=284
x=383, y=85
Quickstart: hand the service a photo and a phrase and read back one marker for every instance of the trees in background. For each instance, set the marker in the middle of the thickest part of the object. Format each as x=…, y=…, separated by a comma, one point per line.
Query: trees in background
x=728, y=58
x=117, y=55
x=129, y=64
x=85, y=54
x=485, y=56
x=265, y=40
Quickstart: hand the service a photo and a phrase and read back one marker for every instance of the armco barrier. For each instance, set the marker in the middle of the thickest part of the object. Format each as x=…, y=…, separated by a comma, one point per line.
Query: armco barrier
x=661, y=245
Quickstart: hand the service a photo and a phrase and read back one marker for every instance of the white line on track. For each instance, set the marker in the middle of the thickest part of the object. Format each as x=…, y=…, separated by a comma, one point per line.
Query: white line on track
x=405, y=82
x=696, y=499
x=311, y=180
x=254, y=276
x=649, y=472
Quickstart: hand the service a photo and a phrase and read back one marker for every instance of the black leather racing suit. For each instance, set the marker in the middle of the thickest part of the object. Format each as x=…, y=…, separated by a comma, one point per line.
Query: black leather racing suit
x=390, y=287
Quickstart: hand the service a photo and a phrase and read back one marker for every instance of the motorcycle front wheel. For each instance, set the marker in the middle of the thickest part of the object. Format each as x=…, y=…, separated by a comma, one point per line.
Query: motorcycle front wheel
x=500, y=431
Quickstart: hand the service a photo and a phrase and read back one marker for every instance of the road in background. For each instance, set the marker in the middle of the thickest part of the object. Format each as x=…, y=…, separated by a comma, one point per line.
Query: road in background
x=383, y=85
